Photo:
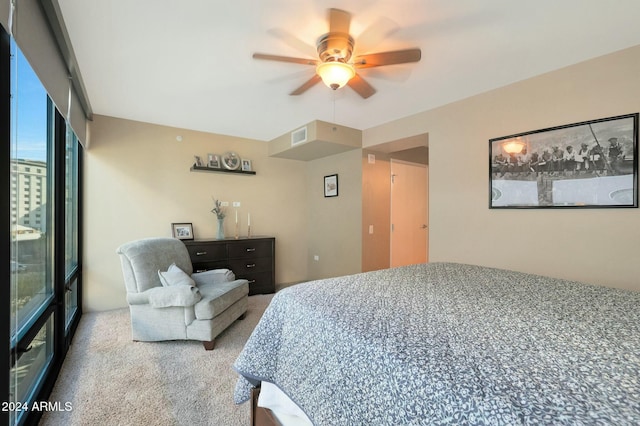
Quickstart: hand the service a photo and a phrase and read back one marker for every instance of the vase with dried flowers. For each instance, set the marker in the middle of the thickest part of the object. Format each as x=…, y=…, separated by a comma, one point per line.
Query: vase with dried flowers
x=220, y=213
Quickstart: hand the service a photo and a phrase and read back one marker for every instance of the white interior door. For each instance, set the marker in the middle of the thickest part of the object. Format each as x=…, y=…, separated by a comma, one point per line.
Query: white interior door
x=409, y=213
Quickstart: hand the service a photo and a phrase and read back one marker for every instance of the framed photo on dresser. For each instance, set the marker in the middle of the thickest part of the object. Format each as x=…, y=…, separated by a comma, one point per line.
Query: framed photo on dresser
x=182, y=231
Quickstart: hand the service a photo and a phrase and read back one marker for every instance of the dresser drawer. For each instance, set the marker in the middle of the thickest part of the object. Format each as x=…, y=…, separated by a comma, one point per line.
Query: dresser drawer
x=245, y=266
x=203, y=252
x=259, y=282
x=250, y=249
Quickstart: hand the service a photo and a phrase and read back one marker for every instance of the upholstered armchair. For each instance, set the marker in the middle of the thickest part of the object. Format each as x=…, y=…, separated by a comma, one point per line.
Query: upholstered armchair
x=169, y=302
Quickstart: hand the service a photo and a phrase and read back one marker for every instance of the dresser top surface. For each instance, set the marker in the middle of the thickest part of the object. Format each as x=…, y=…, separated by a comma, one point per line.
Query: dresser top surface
x=228, y=240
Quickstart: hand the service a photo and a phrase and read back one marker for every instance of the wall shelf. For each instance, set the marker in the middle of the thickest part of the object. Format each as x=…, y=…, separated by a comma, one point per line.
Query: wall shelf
x=209, y=169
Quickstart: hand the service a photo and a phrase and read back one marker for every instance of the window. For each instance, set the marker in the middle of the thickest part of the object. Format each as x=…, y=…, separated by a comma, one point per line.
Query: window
x=31, y=279
x=30, y=140
x=43, y=235
x=71, y=259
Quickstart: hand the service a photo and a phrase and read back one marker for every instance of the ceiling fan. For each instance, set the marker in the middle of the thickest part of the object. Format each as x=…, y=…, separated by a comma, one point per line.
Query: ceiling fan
x=335, y=65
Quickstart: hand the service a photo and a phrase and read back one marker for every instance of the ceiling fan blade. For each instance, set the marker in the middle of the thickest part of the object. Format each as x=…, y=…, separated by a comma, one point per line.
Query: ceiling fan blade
x=375, y=34
x=307, y=85
x=293, y=41
x=284, y=59
x=339, y=21
x=363, y=88
x=387, y=58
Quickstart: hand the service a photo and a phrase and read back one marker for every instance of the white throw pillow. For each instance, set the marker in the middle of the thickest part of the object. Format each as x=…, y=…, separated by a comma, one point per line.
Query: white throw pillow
x=176, y=295
x=175, y=276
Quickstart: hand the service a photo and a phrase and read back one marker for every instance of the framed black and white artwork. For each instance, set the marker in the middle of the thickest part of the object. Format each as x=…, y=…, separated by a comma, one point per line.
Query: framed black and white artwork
x=331, y=186
x=587, y=164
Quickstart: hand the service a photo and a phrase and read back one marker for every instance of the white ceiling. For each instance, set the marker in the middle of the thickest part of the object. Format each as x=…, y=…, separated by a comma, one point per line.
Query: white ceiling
x=187, y=63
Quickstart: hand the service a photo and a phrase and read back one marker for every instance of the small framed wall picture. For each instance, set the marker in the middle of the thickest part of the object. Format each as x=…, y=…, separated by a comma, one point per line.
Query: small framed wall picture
x=246, y=165
x=182, y=231
x=213, y=161
x=197, y=161
x=331, y=186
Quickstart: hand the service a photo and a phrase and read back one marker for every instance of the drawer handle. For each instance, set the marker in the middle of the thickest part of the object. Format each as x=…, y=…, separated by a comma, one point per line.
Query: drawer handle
x=201, y=253
x=251, y=265
x=251, y=249
x=252, y=281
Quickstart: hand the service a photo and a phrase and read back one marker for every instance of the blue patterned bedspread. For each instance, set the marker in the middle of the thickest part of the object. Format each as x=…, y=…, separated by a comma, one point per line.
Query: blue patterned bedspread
x=445, y=343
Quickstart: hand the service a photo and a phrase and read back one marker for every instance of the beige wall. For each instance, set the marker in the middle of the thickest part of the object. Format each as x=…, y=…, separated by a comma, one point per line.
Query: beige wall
x=335, y=222
x=599, y=246
x=137, y=182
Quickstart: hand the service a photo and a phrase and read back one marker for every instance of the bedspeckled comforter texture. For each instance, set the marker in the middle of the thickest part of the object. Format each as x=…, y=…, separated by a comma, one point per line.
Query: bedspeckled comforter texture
x=447, y=343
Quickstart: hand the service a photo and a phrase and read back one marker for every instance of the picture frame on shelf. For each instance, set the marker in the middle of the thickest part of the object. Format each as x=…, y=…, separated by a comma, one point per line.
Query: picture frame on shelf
x=590, y=164
x=331, y=186
x=246, y=165
x=197, y=161
x=213, y=161
x=182, y=231
x=230, y=160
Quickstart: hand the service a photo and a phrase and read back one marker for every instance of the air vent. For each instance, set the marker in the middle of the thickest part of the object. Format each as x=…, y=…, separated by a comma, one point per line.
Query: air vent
x=299, y=136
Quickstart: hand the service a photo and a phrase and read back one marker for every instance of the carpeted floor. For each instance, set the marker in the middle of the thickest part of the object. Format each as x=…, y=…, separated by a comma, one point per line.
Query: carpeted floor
x=111, y=380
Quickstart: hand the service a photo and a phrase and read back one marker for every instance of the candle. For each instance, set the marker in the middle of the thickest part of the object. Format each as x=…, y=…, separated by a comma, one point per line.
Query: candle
x=249, y=219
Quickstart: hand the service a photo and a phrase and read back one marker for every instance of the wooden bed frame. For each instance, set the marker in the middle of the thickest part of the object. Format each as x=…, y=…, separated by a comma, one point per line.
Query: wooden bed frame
x=261, y=416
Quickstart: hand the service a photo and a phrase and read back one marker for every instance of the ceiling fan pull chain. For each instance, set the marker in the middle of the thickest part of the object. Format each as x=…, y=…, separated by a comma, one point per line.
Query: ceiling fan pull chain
x=334, y=105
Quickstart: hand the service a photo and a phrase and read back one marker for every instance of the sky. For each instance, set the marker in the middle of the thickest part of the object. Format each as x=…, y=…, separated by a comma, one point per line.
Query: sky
x=29, y=99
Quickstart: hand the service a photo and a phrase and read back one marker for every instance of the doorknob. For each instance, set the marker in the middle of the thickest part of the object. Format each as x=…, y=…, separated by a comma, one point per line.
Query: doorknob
x=423, y=227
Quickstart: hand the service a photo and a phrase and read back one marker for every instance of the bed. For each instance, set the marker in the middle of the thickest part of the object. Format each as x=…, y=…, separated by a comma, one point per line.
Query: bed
x=447, y=343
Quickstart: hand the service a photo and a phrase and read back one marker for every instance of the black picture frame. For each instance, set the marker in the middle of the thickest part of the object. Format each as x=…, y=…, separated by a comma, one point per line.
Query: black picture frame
x=591, y=164
x=331, y=186
x=182, y=231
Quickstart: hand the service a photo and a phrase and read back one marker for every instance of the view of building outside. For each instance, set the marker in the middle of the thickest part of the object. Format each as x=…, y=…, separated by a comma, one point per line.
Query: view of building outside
x=28, y=193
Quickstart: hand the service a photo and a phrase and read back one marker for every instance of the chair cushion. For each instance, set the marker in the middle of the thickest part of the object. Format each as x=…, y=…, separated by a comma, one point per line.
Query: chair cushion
x=218, y=297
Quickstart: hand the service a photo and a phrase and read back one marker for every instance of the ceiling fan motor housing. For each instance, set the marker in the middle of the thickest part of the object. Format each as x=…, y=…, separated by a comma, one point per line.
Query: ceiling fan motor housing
x=335, y=47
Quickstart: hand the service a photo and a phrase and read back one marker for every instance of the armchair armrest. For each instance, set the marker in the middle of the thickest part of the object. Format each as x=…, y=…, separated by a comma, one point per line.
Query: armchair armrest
x=214, y=276
x=164, y=297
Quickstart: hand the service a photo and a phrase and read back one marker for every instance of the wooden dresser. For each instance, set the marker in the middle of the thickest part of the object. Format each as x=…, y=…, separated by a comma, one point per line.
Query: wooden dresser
x=250, y=258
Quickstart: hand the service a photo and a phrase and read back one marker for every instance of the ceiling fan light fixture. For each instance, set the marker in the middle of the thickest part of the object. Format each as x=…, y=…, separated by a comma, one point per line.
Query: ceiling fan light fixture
x=335, y=74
